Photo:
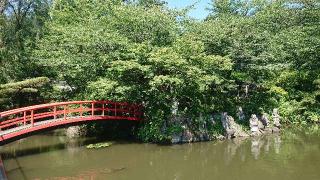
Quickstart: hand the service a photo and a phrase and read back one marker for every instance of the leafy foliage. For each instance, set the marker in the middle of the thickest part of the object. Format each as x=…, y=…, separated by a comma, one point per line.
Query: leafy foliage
x=16, y=94
x=255, y=54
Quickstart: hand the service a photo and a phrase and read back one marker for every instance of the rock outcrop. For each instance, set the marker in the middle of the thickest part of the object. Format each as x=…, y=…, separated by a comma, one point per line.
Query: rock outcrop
x=188, y=136
x=232, y=129
x=258, y=126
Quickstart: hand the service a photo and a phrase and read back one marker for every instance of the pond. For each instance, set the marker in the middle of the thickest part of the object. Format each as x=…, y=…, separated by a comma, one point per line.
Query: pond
x=291, y=156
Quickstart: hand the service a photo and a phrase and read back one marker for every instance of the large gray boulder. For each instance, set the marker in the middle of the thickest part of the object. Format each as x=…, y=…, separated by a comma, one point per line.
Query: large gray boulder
x=232, y=129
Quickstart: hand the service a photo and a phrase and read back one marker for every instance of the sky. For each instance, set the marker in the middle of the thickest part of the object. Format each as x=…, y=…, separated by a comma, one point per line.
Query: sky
x=199, y=12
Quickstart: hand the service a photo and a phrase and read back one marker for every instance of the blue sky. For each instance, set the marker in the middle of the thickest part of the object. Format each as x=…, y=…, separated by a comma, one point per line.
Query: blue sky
x=199, y=12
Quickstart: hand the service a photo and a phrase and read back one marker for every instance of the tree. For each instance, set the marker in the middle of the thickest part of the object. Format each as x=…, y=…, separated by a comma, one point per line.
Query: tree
x=125, y=52
x=20, y=26
x=267, y=47
x=21, y=93
x=256, y=54
x=148, y=3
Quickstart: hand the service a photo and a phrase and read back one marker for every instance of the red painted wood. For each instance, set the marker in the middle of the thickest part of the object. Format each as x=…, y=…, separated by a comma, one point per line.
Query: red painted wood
x=64, y=113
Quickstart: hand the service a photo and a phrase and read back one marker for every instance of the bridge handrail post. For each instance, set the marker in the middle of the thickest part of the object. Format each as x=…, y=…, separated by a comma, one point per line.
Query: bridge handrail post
x=81, y=110
x=103, y=109
x=92, y=109
x=54, y=112
x=24, y=118
x=32, y=118
x=107, y=109
x=65, y=112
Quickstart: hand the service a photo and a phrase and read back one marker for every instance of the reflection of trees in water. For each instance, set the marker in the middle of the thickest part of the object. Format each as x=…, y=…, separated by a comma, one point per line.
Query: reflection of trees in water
x=267, y=146
x=187, y=161
x=210, y=158
x=181, y=161
x=25, y=147
x=256, y=145
x=212, y=154
x=232, y=148
x=240, y=147
x=72, y=145
x=90, y=174
x=259, y=143
x=277, y=144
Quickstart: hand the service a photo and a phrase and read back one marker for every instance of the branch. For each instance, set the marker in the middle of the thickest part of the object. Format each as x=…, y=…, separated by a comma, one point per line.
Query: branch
x=3, y=4
x=27, y=9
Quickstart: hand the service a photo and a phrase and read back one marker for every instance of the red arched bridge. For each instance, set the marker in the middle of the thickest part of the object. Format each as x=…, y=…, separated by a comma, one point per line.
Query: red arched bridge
x=17, y=123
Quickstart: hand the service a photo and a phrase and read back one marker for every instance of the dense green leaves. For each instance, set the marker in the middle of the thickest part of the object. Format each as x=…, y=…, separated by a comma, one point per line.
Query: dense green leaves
x=22, y=92
x=256, y=54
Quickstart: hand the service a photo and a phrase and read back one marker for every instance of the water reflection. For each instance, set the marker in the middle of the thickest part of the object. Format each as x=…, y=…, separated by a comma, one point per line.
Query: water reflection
x=277, y=144
x=256, y=146
x=264, y=157
x=232, y=147
x=34, y=145
x=240, y=146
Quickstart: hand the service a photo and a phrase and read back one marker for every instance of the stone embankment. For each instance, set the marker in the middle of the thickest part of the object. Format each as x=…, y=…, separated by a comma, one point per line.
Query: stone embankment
x=232, y=129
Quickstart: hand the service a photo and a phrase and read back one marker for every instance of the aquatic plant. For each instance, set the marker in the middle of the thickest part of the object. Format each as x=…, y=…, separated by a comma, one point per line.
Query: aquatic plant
x=99, y=145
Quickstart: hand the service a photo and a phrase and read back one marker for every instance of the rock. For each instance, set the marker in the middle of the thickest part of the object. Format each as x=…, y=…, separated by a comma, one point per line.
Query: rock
x=239, y=132
x=260, y=125
x=226, y=124
x=230, y=133
x=267, y=130
x=240, y=114
x=255, y=126
x=75, y=131
x=220, y=137
x=265, y=120
x=187, y=136
x=276, y=118
x=212, y=119
x=176, y=139
x=203, y=136
x=232, y=129
x=275, y=130
x=254, y=123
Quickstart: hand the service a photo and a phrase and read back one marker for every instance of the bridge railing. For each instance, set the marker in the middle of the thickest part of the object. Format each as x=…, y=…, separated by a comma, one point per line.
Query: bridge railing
x=28, y=116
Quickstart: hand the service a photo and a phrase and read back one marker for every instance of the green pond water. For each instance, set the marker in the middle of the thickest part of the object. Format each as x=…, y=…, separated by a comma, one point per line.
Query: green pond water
x=290, y=156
